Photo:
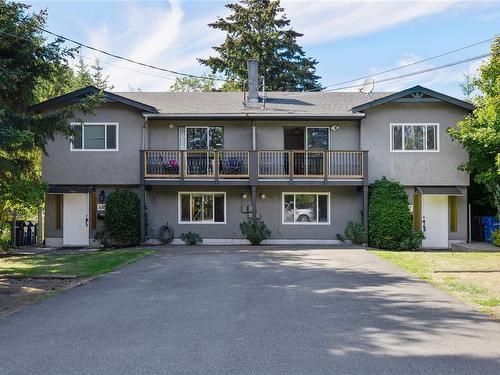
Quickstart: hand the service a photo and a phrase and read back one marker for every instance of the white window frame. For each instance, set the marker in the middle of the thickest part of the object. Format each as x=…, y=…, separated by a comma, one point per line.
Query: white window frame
x=317, y=127
x=191, y=193
x=425, y=124
x=83, y=124
x=184, y=146
x=294, y=193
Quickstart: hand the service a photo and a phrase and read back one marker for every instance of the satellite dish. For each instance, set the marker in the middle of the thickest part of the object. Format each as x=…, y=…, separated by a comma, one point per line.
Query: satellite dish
x=368, y=86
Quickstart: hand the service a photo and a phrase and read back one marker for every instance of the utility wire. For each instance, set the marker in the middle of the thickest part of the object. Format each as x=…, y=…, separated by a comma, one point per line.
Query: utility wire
x=130, y=60
x=410, y=64
x=417, y=72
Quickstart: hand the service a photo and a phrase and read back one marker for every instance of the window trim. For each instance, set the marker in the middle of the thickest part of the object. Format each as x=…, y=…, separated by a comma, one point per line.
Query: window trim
x=83, y=124
x=403, y=124
x=328, y=222
x=179, y=207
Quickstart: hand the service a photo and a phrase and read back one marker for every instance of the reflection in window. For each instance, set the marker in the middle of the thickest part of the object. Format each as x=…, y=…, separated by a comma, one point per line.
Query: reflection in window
x=202, y=208
x=414, y=137
x=305, y=208
x=95, y=137
x=205, y=138
x=317, y=138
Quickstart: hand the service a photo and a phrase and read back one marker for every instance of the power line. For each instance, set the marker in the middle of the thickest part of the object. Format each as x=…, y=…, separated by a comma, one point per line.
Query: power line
x=407, y=65
x=416, y=73
x=130, y=60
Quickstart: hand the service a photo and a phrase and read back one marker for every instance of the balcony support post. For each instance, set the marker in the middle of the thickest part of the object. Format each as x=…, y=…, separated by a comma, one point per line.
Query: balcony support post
x=142, y=194
x=365, y=207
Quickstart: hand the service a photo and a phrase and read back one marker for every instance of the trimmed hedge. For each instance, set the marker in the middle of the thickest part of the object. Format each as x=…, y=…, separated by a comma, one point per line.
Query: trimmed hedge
x=122, y=220
x=389, y=219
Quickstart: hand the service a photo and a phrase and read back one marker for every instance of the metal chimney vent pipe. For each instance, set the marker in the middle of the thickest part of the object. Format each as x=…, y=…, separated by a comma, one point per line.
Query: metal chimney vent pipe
x=253, y=80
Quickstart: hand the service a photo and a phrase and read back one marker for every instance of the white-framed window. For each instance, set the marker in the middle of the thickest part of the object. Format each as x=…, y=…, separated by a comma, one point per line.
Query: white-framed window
x=95, y=136
x=305, y=208
x=202, y=207
x=201, y=138
x=414, y=137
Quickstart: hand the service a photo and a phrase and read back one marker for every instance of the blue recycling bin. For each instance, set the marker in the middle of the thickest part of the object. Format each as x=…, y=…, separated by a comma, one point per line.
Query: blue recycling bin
x=489, y=224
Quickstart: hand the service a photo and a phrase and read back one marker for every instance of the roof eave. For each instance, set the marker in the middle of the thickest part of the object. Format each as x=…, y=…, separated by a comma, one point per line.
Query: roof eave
x=418, y=88
x=254, y=116
x=78, y=95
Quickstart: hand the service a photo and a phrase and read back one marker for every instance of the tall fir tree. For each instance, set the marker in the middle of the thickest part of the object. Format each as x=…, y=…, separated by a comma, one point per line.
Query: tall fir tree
x=259, y=29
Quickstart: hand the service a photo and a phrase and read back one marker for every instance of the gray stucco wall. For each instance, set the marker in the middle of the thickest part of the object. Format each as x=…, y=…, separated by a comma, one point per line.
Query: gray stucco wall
x=63, y=166
x=237, y=134
x=270, y=134
x=345, y=205
x=414, y=168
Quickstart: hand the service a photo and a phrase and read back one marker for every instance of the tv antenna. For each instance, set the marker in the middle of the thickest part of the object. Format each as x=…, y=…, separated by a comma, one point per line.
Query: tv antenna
x=368, y=86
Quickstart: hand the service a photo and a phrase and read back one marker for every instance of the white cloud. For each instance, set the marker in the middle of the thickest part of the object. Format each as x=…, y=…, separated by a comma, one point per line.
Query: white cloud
x=322, y=21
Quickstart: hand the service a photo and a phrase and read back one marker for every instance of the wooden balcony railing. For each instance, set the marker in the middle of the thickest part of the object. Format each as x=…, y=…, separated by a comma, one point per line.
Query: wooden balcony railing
x=329, y=164
x=226, y=164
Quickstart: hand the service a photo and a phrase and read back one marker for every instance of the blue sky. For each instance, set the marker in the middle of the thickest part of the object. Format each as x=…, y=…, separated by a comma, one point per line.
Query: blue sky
x=349, y=39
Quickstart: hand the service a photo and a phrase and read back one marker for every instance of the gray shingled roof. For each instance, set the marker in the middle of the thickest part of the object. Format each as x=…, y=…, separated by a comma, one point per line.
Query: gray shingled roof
x=231, y=103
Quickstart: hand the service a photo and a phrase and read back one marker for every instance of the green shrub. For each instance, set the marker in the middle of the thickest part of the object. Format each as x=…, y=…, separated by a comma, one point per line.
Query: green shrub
x=412, y=242
x=255, y=231
x=389, y=219
x=122, y=221
x=191, y=238
x=496, y=237
x=355, y=232
x=102, y=237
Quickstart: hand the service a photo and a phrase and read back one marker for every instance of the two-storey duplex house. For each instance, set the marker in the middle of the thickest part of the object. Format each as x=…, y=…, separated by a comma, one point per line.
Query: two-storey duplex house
x=302, y=162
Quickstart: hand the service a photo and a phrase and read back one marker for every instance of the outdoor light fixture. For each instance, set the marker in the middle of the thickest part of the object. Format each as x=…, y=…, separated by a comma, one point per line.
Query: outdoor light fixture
x=170, y=126
x=244, y=196
x=263, y=196
x=334, y=128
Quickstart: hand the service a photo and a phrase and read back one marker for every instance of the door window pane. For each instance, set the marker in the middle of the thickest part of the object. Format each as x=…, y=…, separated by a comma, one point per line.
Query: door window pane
x=196, y=138
x=94, y=137
x=397, y=137
x=216, y=134
x=317, y=138
x=111, y=137
x=77, y=138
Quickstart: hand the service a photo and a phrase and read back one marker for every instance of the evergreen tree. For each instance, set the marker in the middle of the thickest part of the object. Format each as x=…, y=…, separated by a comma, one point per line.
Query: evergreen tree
x=259, y=29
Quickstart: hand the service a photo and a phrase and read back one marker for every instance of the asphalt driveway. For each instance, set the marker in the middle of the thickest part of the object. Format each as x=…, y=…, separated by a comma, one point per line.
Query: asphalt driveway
x=232, y=310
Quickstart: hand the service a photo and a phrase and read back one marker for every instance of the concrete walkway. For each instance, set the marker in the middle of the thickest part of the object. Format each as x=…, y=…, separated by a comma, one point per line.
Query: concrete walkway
x=243, y=310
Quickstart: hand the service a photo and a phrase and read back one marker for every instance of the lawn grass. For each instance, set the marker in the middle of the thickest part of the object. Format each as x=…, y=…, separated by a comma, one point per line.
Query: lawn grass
x=81, y=265
x=473, y=278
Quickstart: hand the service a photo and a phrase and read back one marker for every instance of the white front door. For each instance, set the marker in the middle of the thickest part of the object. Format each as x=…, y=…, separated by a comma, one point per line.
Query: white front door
x=76, y=220
x=435, y=221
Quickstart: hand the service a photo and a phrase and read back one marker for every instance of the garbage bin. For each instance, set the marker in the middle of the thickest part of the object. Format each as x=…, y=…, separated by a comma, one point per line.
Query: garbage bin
x=489, y=223
x=25, y=233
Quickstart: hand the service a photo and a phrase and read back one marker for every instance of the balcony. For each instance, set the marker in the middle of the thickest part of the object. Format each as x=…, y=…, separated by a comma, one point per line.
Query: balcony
x=254, y=167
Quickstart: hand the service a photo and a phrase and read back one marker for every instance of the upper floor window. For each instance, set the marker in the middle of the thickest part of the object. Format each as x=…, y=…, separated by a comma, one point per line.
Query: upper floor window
x=201, y=138
x=93, y=136
x=414, y=137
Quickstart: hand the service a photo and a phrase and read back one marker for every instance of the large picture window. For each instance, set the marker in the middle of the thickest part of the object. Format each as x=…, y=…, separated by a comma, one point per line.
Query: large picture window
x=414, y=137
x=306, y=208
x=95, y=137
x=204, y=138
x=202, y=208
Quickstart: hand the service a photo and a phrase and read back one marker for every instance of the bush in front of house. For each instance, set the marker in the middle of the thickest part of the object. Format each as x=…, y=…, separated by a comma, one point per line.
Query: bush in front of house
x=191, y=238
x=389, y=219
x=122, y=220
x=255, y=231
x=496, y=237
x=355, y=232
